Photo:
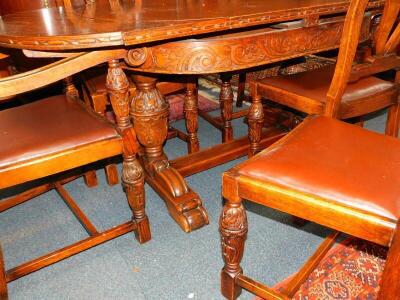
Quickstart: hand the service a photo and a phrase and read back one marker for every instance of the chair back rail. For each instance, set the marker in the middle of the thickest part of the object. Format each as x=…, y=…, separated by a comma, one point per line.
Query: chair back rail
x=34, y=79
x=383, y=57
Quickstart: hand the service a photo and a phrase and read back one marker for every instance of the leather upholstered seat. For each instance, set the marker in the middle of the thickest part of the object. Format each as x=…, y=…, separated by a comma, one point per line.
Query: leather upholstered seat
x=307, y=91
x=48, y=128
x=333, y=173
x=336, y=162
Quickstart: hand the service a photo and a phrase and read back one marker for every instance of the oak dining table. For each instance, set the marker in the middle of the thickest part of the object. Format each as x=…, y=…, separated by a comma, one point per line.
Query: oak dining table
x=186, y=37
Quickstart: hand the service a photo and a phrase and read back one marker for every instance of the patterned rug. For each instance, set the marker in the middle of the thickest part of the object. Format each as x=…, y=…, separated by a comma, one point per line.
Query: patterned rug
x=206, y=103
x=352, y=269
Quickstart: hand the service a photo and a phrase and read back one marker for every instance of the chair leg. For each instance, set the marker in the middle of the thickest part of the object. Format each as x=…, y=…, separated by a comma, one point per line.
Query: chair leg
x=132, y=172
x=3, y=283
x=191, y=115
x=226, y=103
x=133, y=182
x=393, y=120
x=241, y=89
x=111, y=174
x=233, y=230
x=90, y=178
x=255, y=122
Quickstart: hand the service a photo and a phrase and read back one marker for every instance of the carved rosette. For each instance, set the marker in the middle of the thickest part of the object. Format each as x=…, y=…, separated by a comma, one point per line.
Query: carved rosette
x=233, y=229
x=136, y=57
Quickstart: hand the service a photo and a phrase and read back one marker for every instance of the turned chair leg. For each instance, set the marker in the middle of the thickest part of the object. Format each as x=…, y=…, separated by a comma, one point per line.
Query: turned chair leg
x=393, y=120
x=226, y=103
x=3, y=283
x=233, y=229
x=132, y=172
x=190, y=109
x=111, y=174
x=133, y=182
x=90, y=178
x=255, y=119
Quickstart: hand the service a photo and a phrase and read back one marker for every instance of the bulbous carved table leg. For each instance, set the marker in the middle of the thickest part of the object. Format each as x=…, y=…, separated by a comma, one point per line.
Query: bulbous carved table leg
x=233, y=228
x=132, y=172
x=255, y=119
x=226, y=103
x=191, y=114
x=149, y=111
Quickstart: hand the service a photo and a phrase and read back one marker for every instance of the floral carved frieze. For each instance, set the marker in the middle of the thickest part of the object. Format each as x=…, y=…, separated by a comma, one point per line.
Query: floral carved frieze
x=240, y=51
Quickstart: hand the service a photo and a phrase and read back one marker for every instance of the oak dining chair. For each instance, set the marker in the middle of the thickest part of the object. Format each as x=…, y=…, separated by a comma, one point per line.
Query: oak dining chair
x=49, y=138
x=345, y=90
x=335, y=174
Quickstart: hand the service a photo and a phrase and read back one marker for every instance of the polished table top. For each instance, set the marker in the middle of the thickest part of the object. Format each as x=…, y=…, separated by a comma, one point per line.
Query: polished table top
x=110, y=23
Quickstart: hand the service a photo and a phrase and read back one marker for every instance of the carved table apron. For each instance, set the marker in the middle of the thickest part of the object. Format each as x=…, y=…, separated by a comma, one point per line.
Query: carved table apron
x=150, y=51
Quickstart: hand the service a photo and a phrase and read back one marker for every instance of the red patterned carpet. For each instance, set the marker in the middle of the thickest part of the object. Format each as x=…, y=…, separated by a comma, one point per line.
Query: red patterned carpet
x=176, y=105
x=352, y=269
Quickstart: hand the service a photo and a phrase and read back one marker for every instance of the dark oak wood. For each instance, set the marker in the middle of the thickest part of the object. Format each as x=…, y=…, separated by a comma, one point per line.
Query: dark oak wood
x=122, y=141
x=211, y=157
x=105, y=25
x=169, y=25
x=240, y=183
x=150, y=117
x=341, y=81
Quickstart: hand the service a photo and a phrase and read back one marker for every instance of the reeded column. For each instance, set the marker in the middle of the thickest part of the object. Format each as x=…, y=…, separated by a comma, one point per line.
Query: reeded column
x=226, y=103
x=132, y=172
x=191, y=114
x=233, y=229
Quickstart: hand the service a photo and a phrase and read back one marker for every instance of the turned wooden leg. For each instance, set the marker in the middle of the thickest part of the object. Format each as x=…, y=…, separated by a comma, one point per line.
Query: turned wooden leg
x=133, y=182
x=111, y=171
x=3, y=283
x=132, y=172
x=90, y=178
x=191, y=114
x=255, y=122
x=150, y=118
x=226, y=103
x=233, y=230
x=393, y=120
x=241, y=89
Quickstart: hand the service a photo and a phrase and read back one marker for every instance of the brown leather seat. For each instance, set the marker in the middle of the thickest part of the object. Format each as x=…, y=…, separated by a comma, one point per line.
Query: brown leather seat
x=51, y=127
x=309, y=89
x=336, y=162
x=335, y=174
